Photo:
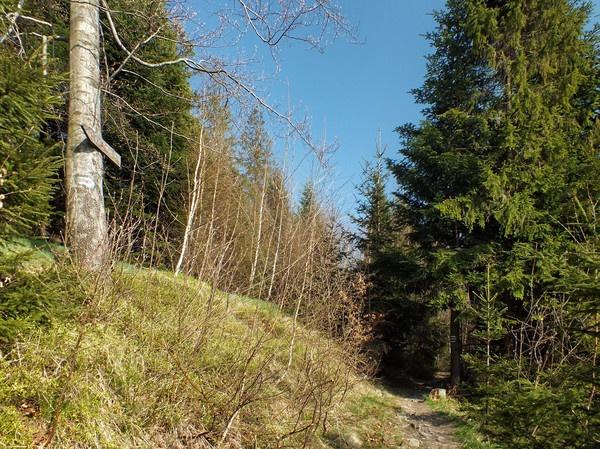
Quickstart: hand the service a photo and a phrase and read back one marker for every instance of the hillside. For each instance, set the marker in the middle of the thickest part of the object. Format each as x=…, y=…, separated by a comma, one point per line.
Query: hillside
x=152, y=360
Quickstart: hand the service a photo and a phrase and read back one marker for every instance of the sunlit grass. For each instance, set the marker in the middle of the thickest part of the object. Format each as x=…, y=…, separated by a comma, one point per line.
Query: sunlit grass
x=158, y=360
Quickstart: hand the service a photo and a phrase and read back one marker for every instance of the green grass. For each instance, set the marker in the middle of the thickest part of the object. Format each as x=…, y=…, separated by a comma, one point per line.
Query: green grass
x=467, y=432
x=158, y=361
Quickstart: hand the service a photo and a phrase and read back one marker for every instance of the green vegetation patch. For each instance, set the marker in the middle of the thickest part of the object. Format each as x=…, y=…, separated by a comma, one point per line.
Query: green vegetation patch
x=154, y=360
x=370, y=418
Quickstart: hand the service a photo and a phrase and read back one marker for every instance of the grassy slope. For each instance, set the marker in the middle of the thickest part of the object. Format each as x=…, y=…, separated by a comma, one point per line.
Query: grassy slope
x=160, y=361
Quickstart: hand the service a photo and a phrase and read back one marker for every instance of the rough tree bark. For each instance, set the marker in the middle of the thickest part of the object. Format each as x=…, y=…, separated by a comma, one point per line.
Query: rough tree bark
x=86, y=230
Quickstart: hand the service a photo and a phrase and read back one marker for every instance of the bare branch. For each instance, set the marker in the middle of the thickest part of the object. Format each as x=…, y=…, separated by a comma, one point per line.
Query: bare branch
x=290, y=19
x=274, y=21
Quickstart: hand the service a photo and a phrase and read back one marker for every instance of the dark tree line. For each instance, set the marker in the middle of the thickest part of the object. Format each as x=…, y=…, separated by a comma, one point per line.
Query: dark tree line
x=495, y=218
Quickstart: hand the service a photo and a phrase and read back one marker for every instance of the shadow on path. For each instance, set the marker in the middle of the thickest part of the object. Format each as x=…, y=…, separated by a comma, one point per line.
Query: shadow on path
x=423, y=427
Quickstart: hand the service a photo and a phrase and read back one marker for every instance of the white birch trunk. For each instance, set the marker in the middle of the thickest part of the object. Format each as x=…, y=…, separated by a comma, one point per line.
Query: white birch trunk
x=259, y=232
x=279, y=224
x=195, y=197
x=86, y=231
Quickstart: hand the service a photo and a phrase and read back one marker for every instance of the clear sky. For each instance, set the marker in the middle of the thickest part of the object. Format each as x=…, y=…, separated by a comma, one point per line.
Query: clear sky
x=352, y=91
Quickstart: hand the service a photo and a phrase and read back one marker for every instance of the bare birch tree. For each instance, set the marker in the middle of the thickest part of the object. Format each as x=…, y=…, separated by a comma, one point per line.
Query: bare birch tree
x=195, y=197
x=86, y=217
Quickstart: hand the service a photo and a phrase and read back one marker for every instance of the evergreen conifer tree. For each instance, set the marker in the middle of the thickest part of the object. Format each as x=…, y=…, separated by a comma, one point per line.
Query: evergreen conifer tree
x=307, y=205
x=440, y=160
x=374, y=211
x=490, y=185
x=255, y=143
x=29, y=158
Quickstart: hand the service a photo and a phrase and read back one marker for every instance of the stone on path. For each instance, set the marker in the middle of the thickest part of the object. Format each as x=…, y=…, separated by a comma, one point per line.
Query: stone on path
x=346, y=439
x=413, y=443
x=438, y=394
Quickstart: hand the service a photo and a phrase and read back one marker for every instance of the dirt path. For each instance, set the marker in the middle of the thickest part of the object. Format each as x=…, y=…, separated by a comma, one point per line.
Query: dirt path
x=422, y=427
x=391, y=415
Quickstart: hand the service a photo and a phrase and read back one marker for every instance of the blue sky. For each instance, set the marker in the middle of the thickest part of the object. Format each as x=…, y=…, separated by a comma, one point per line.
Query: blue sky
x=351, y=92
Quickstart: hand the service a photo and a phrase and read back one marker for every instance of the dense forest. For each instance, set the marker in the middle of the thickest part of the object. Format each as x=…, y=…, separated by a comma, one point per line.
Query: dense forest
x=163, y=285
x=493, y=223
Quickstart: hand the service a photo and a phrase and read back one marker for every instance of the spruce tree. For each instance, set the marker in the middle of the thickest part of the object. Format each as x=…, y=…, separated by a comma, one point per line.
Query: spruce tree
x=440, y=160
x=374, y=211
x=537, y=182
x=498, y=186
x=255, y=148
x=308, y=205
x=29, y=158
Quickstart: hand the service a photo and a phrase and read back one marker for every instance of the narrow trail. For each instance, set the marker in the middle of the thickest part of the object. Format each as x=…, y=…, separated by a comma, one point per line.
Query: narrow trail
x=423, y=427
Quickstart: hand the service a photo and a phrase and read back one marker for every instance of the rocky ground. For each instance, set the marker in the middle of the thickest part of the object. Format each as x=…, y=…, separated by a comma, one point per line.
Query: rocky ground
x=422, y=427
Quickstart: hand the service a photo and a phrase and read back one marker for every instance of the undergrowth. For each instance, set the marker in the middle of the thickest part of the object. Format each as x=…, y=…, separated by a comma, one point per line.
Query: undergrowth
x=30, y=289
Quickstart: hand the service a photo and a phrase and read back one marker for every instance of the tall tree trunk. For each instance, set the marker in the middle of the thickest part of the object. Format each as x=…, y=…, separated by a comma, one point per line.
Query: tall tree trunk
x=86, y=218
x=259, y=231
x=208, y=248
x=279, y=224
x=455, y=347
x=195, y=197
